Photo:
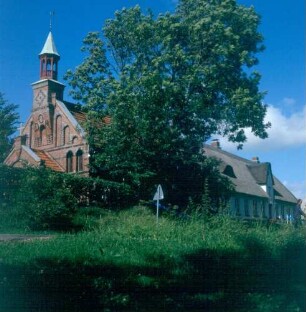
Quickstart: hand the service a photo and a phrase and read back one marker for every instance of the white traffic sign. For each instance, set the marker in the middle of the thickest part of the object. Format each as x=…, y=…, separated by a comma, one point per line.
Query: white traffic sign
x=159, y=193
x=158, y=196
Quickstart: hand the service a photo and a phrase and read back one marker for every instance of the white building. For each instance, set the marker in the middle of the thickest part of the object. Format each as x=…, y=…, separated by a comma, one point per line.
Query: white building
x=258, y=193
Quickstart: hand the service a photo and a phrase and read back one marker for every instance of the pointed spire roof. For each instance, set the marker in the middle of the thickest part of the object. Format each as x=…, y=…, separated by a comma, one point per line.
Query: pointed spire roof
x=49, y=47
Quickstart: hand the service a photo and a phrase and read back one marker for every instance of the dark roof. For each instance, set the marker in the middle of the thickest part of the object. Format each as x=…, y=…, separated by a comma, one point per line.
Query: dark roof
x=282, y=193
x=248, y=176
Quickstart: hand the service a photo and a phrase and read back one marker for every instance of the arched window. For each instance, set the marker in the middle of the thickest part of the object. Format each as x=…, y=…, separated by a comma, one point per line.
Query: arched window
x=74, y=140
x=79, y=161
x=31, y=134
x=69, y=158
x=43, y=68
x=66, y=135
x=49, y=67
x=42, y=135
x=58, y=130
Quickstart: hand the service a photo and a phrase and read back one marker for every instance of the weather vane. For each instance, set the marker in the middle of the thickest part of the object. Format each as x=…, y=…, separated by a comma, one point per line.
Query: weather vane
x=52, y=13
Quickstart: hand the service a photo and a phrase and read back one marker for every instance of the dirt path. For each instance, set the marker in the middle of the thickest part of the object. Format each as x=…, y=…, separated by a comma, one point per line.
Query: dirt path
x=21, y=237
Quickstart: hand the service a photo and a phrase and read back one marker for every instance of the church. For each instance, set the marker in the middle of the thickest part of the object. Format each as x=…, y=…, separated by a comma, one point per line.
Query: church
x=53, y=135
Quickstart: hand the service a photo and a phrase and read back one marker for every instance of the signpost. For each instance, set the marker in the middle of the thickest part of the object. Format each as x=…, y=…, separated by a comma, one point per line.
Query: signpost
x=158, y=196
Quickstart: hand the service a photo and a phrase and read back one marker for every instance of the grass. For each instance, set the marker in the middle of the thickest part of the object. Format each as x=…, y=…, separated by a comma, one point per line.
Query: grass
x=126, y=262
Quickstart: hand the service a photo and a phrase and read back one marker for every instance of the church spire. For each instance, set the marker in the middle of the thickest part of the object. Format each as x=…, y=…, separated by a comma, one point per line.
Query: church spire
x=49, y=58
x=49, y=46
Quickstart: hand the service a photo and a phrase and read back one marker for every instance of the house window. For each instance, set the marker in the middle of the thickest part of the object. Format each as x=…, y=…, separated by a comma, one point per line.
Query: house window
x=79, y=161
x=229, y=171
x=237, y=207
x=255, y=208
x=246, y=208
x=69, y=159
x=263, y=209
x=283, y=211
x=277, y=212
x=289, y=213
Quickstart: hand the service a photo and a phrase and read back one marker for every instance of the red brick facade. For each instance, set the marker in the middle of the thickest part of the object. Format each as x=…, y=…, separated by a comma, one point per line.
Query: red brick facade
x=53, y=135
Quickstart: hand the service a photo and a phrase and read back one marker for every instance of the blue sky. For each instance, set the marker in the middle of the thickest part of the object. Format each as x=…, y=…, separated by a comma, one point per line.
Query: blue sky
x=24, y=26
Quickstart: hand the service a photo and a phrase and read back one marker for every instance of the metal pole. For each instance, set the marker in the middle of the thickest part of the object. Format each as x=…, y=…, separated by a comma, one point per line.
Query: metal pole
x=157, y=209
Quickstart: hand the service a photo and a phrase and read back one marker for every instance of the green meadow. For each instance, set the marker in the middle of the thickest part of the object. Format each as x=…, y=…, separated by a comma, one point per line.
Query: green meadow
x=125, y=261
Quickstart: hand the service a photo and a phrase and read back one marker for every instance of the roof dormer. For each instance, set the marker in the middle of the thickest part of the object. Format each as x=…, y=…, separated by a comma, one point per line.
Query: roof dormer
x=261, y=172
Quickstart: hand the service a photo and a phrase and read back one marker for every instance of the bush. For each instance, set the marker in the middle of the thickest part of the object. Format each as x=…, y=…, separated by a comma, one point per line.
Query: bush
x=43, y=199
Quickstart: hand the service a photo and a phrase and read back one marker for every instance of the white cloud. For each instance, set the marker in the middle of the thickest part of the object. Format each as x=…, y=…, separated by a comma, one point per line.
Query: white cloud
x=288, y=101
x=286, y=131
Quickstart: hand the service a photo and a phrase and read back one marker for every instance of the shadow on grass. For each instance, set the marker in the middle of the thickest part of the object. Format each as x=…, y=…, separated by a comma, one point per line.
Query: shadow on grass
x=253, y=279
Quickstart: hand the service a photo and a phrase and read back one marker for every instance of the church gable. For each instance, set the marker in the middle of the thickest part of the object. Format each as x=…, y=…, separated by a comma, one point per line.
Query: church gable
x=57, y=126
x=70, y=125
x=22, y=156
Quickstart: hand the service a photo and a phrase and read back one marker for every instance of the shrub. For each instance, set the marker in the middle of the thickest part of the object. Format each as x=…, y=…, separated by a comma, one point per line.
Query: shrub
x=43, y=199
x=43, y=202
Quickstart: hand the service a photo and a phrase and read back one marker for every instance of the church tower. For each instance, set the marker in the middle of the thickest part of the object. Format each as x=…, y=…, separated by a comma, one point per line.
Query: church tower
x=48, y=85
x=45, y=93
x=53, y=135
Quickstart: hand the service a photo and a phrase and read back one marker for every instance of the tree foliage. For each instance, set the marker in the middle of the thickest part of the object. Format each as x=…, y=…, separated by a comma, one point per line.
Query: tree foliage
x=8, y=119
x=170, y=83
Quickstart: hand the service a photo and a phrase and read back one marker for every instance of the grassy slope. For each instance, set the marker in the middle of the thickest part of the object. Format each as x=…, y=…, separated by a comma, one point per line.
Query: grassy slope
x=128, y=263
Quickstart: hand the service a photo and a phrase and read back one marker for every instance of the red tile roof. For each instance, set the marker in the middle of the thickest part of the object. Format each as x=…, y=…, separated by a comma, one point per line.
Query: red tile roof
x=107, y=120
x=76, y=111
x=79, y=116
x=49, y=163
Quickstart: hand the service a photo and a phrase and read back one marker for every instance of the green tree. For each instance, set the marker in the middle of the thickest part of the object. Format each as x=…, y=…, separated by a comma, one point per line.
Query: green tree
x=169, y=83
x=8, y=120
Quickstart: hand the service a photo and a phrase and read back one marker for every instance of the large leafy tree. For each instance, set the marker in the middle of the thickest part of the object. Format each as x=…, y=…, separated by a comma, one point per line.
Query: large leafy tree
x=8, y=120
x=169, y=83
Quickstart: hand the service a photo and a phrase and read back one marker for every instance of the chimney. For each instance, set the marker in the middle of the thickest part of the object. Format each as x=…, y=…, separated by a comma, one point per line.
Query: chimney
x=215, y=143
x=255, y=159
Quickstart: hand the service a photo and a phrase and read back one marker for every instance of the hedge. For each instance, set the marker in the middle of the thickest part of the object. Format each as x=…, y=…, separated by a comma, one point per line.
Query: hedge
x=48, y=199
